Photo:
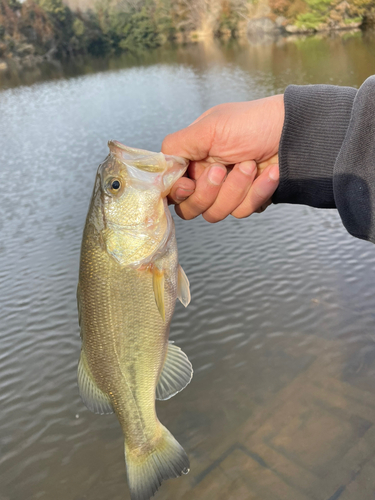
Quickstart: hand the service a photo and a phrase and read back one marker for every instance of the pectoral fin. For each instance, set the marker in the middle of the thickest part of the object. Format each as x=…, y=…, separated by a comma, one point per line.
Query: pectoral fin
x=95, y=399
x=176, y=374
x=183, y=287
x=158, y=283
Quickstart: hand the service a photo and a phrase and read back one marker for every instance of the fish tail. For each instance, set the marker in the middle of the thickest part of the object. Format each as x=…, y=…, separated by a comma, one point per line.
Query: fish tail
x=146, y=473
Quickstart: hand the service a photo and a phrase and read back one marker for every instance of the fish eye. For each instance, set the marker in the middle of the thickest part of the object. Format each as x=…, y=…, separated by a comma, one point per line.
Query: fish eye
x=113, y=186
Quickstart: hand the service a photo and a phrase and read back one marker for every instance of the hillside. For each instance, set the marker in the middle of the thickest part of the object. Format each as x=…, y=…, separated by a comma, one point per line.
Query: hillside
x=35, y=30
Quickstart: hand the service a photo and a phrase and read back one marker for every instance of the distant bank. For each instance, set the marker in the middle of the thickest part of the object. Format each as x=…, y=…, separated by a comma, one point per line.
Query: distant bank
x=34, y=31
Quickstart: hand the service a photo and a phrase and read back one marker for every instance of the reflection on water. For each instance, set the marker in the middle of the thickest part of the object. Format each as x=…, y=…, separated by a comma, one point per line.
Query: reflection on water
x=340, y=57
x=280, y=329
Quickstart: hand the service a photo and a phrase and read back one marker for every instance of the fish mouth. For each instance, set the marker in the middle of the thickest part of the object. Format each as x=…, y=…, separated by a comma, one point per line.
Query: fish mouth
x=176, y=167
x=138, y=158
x=169, y=167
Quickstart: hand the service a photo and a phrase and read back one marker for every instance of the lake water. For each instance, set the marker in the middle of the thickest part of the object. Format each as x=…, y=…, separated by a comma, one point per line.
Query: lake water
x=280, y=329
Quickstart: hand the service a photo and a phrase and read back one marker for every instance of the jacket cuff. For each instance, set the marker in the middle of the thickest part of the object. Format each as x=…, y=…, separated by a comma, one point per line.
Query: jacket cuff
x=316, y=122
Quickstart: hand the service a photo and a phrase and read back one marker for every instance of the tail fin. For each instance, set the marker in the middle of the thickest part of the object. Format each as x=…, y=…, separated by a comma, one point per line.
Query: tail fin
x=145, y=474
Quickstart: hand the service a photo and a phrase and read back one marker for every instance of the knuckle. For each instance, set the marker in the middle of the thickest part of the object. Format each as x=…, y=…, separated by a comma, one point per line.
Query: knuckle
x=200, y=203
x=242, y=214
x=215, y=108
x=257, y=193
x=183, y=214
x=215, y=213
x=236, y=215
x=209, y=218
x=166, y=142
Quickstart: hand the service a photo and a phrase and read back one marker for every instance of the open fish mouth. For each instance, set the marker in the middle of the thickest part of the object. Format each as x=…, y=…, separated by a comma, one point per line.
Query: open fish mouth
x=140, y=162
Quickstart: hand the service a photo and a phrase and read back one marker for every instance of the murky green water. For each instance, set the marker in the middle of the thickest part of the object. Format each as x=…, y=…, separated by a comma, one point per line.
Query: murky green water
x=281, y=325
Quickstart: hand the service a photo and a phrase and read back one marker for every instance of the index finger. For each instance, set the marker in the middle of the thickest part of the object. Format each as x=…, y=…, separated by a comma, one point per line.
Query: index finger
x=193, y=142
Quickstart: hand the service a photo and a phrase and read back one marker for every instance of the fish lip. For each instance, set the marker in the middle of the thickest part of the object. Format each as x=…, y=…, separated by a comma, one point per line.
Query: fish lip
x=176, y=167
x=143, y=160
x=112, y=144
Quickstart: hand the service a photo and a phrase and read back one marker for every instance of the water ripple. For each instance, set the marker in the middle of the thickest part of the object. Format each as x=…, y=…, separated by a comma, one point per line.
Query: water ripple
x=265, y=290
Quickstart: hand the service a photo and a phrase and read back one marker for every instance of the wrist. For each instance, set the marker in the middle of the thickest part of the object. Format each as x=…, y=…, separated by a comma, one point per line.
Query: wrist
x=272, y=118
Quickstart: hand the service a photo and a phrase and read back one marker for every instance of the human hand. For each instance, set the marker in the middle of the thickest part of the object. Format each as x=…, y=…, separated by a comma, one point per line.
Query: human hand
x=233, y=168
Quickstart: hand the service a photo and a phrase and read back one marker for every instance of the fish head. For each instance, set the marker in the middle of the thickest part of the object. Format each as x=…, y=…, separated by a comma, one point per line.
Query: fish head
x=135, y=181
x=133, y=184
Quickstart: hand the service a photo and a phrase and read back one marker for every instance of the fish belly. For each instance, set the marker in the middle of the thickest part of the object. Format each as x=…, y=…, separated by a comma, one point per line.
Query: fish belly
x=125, y=339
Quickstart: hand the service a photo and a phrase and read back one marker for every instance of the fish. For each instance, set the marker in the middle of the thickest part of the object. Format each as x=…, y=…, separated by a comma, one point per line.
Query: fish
x=129, y=280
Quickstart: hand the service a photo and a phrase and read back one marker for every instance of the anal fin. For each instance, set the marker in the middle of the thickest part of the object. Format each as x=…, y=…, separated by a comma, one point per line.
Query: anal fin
x=176, y=374
x=95, y=399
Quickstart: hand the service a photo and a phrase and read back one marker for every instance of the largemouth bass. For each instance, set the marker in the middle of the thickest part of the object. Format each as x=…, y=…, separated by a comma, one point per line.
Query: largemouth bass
x=129, y=281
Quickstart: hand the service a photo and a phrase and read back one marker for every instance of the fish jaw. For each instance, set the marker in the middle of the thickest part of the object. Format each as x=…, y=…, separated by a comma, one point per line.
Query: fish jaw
x=169, y=167
x=176, y=167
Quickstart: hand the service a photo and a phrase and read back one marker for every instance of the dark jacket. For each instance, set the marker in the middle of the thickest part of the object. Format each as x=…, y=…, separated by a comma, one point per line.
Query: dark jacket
x=327, y=152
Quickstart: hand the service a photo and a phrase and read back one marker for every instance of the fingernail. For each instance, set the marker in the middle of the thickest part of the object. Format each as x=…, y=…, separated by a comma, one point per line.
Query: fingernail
x=247, y=167
x=274, y=173
x=182, y=194
x=216, y=174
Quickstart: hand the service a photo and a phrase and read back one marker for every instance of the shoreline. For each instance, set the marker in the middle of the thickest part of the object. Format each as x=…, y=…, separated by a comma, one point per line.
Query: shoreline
x=30, y=61
x=19, y=72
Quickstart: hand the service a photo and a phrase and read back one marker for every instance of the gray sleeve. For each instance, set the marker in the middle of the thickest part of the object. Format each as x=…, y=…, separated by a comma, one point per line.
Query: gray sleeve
x=327, y=152
x=354, y=170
